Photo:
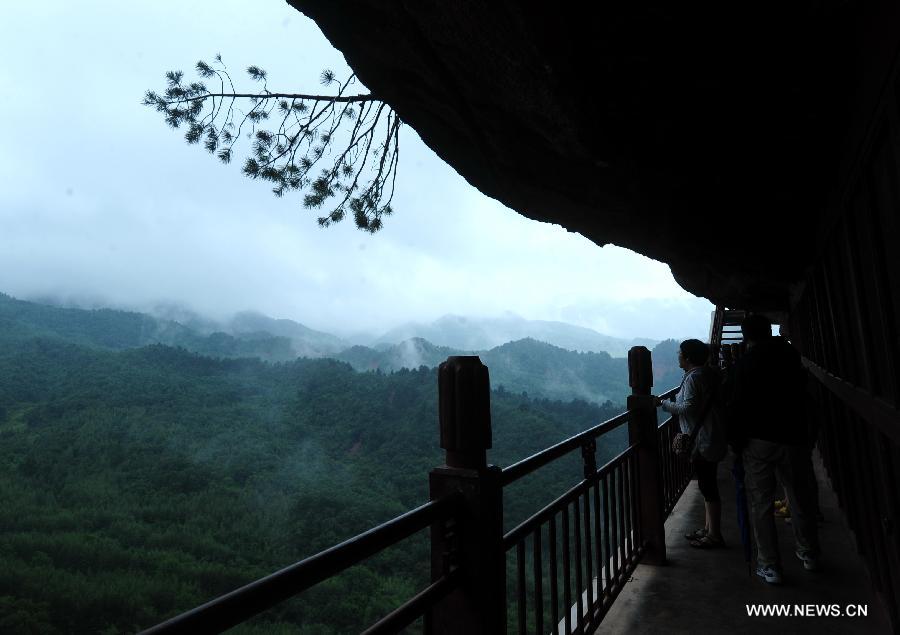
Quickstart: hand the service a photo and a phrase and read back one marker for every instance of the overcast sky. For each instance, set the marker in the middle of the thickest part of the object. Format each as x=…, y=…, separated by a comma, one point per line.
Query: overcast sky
x=102, y=203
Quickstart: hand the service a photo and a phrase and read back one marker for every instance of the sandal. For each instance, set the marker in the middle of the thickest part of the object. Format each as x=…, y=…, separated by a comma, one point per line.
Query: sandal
x=707, y=542
x=697, y=534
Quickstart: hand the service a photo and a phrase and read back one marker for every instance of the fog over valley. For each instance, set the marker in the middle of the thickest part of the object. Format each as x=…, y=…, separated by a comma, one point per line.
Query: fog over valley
x=548, y=359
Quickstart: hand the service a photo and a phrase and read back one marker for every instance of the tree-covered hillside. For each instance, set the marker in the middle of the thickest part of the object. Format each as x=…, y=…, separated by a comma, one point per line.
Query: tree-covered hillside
x=538, y=368
x=470, y=333
x=666, y=372
x=530, y=366
x=526, y=365
x=136, y=484
x=117, y=330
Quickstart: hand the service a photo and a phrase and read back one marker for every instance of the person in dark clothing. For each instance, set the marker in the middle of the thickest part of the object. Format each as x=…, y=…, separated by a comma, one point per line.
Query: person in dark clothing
x=769, y=428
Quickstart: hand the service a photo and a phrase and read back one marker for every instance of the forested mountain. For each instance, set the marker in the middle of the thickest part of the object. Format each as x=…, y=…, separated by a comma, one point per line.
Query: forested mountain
x=114, y=329
x=410, y=353
x=104, y=327
x=472, y=334
x=666, y=373
x=117, y=330
x=135, y=484
x=306, y=342
x=527, y=365
x=252, y=334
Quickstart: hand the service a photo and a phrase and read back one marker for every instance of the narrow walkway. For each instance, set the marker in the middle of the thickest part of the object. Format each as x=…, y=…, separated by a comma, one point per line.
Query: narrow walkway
x=707, y=591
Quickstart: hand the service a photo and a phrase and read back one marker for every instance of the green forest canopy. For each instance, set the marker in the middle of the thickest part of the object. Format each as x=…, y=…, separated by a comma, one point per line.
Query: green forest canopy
x=137, y=483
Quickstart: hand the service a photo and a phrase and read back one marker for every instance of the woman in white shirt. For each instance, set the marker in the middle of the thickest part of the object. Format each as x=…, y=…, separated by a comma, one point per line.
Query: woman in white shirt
x=695, y=406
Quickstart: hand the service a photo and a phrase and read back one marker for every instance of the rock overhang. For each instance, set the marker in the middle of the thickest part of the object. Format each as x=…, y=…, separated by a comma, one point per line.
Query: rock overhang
x=707, y=137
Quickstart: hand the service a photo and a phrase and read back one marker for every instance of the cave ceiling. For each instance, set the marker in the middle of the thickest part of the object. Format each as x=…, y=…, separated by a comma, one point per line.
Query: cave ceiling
x=706, y=137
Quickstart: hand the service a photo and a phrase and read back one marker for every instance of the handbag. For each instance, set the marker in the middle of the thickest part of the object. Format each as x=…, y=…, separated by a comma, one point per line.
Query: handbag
x=683, y=443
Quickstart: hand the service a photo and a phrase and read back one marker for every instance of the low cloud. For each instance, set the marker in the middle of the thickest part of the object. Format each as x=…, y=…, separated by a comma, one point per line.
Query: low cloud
x=108, y=206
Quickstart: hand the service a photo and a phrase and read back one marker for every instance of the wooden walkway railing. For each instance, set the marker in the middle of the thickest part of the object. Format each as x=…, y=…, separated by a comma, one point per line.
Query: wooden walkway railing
x=571, y=558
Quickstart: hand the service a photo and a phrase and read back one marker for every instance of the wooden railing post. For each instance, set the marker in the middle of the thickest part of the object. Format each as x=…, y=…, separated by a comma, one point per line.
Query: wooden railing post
x=472, y=543
x=642, y=430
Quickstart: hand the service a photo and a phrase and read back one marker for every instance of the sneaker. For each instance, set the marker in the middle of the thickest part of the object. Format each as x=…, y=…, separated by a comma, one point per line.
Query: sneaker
x=810, y=562
x=769, y=573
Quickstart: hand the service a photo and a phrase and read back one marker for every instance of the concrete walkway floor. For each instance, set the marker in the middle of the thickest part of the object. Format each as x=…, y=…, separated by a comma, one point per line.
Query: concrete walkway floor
x=707, y=591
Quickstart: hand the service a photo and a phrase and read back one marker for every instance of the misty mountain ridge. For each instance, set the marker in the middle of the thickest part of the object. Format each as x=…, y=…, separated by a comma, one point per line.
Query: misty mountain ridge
x=525, y=365
x=466, y=333
x=307, y=342
x=179, y=326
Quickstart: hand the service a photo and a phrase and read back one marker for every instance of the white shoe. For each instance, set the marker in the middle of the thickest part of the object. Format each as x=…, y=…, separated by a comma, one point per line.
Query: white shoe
x=769, y=573
x=810, y=563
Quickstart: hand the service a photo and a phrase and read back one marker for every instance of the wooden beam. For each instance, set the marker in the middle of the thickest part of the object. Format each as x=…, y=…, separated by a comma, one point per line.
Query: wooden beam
x=875, y=411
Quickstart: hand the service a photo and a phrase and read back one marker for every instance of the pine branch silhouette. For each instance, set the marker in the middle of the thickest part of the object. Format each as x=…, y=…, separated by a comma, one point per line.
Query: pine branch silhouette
x=340, y=149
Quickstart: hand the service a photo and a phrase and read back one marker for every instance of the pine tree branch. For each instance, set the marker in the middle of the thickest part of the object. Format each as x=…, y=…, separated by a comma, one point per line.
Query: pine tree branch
x=265, y=96
x=312, y=129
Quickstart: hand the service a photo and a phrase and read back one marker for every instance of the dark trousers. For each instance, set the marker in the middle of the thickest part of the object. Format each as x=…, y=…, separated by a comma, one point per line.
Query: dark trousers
x=707, y=478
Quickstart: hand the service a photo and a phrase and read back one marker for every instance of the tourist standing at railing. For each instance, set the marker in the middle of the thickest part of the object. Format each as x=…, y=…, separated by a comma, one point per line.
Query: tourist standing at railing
x=694, y=406
x=769, y=429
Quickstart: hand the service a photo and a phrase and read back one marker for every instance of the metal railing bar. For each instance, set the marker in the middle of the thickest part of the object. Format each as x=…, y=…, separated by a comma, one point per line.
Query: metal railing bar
x=415, y=607
x=635, y=461
x=664, y=423
x=520, y=587
x=661, y=459
x=598, y=540
x=668, y=468
x=671, y=462
x=526, y=526
x=628, y=502
x=588, y=555
x=241, y=604
x=613, y=531
x=567, y=577
x=675, y=470
x=620, y=512
x=607, y=552
x=527, y=465
x=579, y=565
x=538, y=582
x=554, y=590
x=669, y=393
x=613, y=462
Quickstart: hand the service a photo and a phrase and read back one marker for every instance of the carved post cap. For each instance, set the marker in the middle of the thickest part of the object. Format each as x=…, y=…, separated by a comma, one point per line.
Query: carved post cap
x=640, y=370
x=464, y=409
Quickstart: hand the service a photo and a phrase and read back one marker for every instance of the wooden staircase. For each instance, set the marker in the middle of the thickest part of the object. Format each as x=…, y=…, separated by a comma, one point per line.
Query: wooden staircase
x=725, y=334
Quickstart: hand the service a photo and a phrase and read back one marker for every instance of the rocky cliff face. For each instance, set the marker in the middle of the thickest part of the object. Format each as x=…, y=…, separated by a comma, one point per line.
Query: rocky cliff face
x=705, y=136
